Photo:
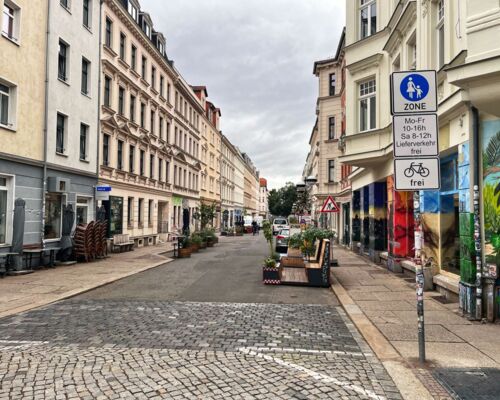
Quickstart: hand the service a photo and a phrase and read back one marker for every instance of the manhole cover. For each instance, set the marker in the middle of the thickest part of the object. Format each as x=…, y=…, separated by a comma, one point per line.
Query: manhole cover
x=471, y=384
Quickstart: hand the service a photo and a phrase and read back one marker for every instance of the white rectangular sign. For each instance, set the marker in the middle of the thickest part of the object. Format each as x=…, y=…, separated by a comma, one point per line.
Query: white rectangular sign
x=415, y=135
x=417, y=174
x=413, y=92
x=102, y=193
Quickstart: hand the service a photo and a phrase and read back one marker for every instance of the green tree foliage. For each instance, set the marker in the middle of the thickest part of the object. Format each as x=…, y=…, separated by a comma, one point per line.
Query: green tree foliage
x=281, y=200
x=205, y=215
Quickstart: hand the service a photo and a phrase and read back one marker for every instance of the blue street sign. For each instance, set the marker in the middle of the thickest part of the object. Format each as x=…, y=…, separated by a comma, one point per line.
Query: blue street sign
x=414, y=87
x=103, y=188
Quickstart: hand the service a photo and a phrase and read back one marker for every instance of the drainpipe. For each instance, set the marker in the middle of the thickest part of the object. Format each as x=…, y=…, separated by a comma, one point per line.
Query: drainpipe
x=45, y=122
x=98, y=125
x=480, y=273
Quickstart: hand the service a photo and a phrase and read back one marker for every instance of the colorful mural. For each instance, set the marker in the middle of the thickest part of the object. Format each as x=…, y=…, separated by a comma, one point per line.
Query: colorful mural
x=490, y=134
x=377, y=224
x=400, y=228
x=356, y=216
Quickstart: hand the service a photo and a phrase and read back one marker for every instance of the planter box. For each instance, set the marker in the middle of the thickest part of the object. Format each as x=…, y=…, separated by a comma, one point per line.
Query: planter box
x=210, y=244
x=203, y=245
x=195, y=248
x=184, y=253
x=294, y=252
x=271, y=276
x=297, y=262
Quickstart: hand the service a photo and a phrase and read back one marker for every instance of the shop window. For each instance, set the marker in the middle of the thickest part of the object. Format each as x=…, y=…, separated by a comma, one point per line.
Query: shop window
x=53, y=215
x=5, y=199
x=82, y=210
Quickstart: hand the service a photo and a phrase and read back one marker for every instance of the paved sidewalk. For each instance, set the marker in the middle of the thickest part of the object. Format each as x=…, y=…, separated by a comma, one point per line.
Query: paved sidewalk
x=45, y=286
x=383, y=306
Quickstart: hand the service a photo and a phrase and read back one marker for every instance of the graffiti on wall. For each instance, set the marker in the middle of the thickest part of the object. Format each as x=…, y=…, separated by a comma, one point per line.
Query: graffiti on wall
x=491, y=190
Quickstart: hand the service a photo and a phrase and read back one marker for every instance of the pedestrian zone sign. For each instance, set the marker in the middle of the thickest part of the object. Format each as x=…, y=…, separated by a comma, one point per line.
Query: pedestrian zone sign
x=413, y=92
x=330, y=206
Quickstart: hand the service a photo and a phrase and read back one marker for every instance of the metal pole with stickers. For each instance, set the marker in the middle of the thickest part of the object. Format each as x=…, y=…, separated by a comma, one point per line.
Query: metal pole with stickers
x=415, y=131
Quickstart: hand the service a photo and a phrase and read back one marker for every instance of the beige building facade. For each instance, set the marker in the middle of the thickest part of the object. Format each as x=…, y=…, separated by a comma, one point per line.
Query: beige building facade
x=22, y=116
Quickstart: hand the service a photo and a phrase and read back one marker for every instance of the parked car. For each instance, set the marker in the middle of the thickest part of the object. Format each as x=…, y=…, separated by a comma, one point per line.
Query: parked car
x=280, y=223
x=282, y=240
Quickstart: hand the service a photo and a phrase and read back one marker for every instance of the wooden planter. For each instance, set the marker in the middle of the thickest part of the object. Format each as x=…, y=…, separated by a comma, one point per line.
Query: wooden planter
x=294, y=252
x=293, y=262
x=271, y=276
x=203, y=245
x=184, y=253
x=210, y=243
x=195, y=248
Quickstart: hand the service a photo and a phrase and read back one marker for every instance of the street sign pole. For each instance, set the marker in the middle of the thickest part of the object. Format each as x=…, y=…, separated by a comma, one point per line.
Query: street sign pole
x=416, y=158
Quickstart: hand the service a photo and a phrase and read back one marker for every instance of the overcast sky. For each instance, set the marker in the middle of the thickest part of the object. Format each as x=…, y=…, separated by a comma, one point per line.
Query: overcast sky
x=256, y=59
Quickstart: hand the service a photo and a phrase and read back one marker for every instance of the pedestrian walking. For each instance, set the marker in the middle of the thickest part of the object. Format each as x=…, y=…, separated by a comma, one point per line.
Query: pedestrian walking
x=254, y=227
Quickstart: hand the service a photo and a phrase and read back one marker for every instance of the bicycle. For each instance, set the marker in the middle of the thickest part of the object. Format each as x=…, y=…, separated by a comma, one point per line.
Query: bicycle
x=416, y=168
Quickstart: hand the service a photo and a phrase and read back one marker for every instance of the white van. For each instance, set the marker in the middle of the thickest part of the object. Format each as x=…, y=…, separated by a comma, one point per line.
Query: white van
x=280, y=223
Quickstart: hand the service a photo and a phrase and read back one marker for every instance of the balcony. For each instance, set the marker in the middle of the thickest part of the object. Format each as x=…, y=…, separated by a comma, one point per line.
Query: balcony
x=367, y=149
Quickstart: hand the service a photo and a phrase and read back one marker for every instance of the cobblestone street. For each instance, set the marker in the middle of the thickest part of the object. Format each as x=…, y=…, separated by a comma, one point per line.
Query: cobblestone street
x=104, y=345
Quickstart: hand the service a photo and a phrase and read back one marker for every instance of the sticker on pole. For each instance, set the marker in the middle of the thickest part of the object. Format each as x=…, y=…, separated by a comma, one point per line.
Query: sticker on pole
x=330, y=206
x=415, y=135
x=412, y=174
x=413, y=92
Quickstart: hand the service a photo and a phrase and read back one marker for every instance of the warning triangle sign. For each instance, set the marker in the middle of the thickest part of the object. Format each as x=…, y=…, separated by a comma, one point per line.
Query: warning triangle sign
x=330, y=206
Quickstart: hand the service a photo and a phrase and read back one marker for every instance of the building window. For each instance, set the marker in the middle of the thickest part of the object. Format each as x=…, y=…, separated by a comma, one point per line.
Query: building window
x=152, y=122
x=62, y=66
x=151, y=166
x=141, y=163
x=151, y=205
x=140, y=211
x=132, y=108
x=121, y=100
x=61, y=133
x=85, y=75
x=331, y=128
x=175, y=175
x=105, y=150
x=133, y=58
x=160, y=169
x=107, y=91
x=109, y=33
x=161, y=128
x=122, y=46
x=167, y=172
x=367, y=105
x=168, y=92
x=10, y=23
x=332, y=84
x=53, y=211
x=84, y=134
x=82, y=210
x=440, y=33
x=6, y=104
x=120, y=155
x=368, y=18
x=131, y=159
x=65, y=3
x=143, y=115
x=86, y=13
x=412, y=52
x=130, y=211
x=331, y=170
x=162, y=84
x=5, y=208
x=143, y=68
x=132, y=10
x=153, y=77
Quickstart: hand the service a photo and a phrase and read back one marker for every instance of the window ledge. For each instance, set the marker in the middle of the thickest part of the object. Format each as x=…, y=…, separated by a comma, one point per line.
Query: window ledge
x=11, y=128
x=86, y=95
x=85, y=161
x=61, y=154
x=123, y=63
x=11, y=39
x=331, y=140
x=65, y=81
x=88, y=28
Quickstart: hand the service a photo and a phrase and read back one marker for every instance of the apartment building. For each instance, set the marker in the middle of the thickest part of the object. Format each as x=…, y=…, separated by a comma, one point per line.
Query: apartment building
x=228, y=172
x=454, y=39
x=311, y=173
x=22, y=116
x=239, y=185
x=137, y=125
x=210, y=188
x=72, y=113
x=250, y=187
x=326, y=144
x=263, y=198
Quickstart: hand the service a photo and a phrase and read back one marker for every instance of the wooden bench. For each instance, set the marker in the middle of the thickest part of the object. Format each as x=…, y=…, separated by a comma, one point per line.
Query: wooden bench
x=122, y=242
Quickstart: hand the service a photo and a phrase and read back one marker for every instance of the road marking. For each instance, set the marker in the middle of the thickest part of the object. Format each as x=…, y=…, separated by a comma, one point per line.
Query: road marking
x=313, y=374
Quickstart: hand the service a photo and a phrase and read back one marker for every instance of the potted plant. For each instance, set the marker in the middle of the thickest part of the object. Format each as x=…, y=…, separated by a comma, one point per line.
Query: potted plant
x=196, y=241
x=270, y=270
x=210, y=237
x=184, y=250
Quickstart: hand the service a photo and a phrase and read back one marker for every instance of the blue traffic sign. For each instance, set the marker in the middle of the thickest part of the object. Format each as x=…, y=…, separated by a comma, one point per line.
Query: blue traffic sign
x=414, y=87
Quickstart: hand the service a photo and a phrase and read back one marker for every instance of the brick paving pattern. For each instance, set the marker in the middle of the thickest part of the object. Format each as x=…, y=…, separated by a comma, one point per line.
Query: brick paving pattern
x=102, y=349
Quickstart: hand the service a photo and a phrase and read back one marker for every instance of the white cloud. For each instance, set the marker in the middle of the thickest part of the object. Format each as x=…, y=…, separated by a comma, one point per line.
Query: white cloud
x=256, y=59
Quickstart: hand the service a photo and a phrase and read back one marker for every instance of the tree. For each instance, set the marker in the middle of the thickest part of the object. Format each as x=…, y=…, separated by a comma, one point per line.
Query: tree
x=281, y=201
x=205, y=215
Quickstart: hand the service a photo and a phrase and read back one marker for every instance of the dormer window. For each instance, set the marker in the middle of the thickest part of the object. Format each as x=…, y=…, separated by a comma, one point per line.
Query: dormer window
x=161, y=47
x=132, y=10
x=147, y=30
